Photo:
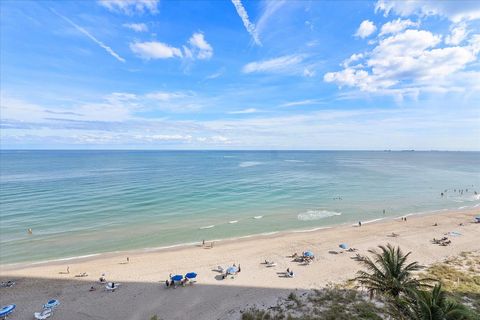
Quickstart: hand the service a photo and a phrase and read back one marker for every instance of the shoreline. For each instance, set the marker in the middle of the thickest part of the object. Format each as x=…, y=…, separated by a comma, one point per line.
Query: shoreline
x=142, y=292
x=264, y=235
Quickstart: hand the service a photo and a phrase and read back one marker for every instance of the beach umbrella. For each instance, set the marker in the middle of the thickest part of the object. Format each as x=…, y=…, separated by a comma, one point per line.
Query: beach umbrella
x=177, y=277
x=308, y=254
x=191, y=275
x=232, y=270
x=343, y=246
x=5, y=311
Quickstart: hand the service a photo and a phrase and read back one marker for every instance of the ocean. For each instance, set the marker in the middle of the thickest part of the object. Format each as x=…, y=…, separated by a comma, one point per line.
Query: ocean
x=81, y=203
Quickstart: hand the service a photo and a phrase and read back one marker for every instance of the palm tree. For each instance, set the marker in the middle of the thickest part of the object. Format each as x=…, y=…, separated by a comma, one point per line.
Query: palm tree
x=388, y=272
x=434, y=305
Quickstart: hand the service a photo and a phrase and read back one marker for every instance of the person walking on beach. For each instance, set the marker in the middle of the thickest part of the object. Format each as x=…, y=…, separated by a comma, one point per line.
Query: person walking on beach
x=359, y=223
x=128, y=259
x=203, y=243
x=68, y=269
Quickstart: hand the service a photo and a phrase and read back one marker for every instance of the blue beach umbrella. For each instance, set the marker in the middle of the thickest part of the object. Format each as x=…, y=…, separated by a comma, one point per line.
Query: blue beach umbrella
x=5, y=311
x=232, y=270
x=343, y=246
x=177, y=277
x=191, y=275
x=308, y=254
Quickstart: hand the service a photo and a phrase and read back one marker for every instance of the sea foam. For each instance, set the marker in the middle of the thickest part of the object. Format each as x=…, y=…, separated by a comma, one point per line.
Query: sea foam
x=246, y=164
x=317, y=215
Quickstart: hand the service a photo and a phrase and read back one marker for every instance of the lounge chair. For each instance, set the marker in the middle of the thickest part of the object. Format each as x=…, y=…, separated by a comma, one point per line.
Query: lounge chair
x=7, y=284
x=81, y=275
x=51, y=304
x=46, y=313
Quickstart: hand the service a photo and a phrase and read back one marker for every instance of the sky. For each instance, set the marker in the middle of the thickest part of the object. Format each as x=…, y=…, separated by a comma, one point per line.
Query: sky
x=238, y=74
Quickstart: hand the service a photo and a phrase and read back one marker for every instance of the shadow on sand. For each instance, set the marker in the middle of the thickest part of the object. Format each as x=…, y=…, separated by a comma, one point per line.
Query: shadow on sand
x=134, y=300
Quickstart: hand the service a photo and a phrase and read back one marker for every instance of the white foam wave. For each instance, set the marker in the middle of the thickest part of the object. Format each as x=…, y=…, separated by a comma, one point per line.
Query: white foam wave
x=233, y=221
x=207, y=227
x=317, y=215
x=246, y=164
x=310, y=230
x=269, y=233
x=258, y=217
x=371, y=221
x=66, y=259
x=292, y=160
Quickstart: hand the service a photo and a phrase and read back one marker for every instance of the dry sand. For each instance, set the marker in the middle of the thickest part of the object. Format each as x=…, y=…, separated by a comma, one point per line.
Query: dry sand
x=142, y=292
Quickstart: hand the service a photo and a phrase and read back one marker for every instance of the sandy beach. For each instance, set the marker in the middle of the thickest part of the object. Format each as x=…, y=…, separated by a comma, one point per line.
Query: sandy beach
x=142, y=292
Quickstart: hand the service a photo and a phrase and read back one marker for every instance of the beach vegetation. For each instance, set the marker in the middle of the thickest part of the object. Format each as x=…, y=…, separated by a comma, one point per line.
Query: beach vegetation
x=387, y=272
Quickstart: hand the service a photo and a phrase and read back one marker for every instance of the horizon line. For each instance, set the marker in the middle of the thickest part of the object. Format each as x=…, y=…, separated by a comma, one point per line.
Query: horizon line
x=236, y=150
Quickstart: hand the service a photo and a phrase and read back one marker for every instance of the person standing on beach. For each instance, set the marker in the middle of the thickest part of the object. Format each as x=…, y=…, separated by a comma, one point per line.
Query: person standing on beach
x=359, y=223
x=68, y=270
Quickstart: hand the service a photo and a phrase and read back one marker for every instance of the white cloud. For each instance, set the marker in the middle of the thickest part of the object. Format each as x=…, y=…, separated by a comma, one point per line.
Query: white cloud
x=246, y=21
x=406, y=64
x=110, y=126
x=165, y=95
x=308, y=73
x=353, y=58
x=216, y=74
x=457, y=34
x=137, y=27
x=197, y=48
x=244, y=111
x=283, y=64
x=155, y=50
x=130, y=7
x=456, y=11
x=200, y=47
x=365, y=29
x=300, y=103
x=91, y=37
x=397, y=26
x=269, y=9
x=174, y=101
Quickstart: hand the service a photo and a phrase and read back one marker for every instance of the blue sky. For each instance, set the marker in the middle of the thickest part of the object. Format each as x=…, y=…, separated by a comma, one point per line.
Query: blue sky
x=147, y=74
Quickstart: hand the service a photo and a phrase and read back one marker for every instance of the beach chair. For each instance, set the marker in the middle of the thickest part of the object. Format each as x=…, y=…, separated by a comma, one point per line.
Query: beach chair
x=46, y=313
x=7, y=284
x=271, y=264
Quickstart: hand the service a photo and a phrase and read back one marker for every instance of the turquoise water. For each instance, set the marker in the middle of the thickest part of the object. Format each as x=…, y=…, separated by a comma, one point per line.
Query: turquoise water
x=84, y=202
